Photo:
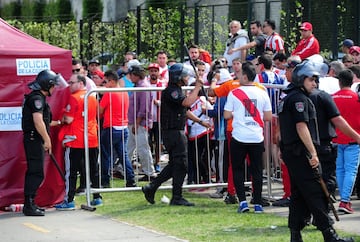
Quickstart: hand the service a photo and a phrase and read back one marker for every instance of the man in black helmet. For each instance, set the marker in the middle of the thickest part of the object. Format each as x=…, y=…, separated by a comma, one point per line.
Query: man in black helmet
x=174, y=105
x=299, y=135
x=36, y=122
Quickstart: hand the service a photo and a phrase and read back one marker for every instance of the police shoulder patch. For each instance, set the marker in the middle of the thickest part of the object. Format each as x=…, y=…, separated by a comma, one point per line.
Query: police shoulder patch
x=174, y=94
x=38, y=104
x=299, y=107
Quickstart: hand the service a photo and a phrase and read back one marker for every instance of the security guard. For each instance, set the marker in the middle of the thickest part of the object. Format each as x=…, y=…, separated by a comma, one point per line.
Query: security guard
x=299, y=133
x=173, y=114
x=36, y=120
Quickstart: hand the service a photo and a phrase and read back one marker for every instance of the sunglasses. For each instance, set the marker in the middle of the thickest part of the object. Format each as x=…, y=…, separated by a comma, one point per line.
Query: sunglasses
x=105, y=81
x=76, y=70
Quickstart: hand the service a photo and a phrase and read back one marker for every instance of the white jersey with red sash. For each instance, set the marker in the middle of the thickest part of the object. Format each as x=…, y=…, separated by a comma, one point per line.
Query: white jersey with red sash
x=196, y=129
x=248, y=104
x=274, y=43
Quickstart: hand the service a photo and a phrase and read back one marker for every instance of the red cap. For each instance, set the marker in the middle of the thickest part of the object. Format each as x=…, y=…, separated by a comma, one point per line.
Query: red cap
x=98, y=73
x=354, y=49
x=306, y=26
x=154, y=65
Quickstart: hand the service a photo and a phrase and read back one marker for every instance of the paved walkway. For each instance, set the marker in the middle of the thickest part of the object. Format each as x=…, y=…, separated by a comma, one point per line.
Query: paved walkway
x=78, y=225
x=84, y=226
x=348, y=222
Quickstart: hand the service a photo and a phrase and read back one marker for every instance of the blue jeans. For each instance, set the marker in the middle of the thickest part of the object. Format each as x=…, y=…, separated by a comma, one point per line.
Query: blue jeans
x=119, y=141
x=347, y=163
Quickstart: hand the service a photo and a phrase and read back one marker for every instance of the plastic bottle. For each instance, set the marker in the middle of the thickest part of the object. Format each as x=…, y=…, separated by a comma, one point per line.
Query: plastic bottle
x=15, y=207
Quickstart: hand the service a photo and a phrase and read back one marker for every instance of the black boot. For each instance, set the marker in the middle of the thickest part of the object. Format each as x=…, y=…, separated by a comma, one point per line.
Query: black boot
x=149, y=192
x=330, y=235
x=36, y=206
x=30, y=208
x=130, y=183
x=295, y=236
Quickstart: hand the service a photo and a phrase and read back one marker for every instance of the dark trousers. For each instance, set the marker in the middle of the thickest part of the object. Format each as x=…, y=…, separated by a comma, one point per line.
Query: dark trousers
x=225, y=159
x=175, y=143
x=239, y=151
x=198, y=156
x=306, y=193
x=34, y=152
x=327, y=156
x=154, y=136
x=77, y=161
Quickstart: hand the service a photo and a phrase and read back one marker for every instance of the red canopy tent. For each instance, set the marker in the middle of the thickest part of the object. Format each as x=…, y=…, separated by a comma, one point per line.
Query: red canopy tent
x=21, y=58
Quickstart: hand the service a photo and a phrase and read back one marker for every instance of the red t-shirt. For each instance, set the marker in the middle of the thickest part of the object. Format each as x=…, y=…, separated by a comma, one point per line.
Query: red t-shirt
x=75, y=109
x=348, y=104
x=115, y=105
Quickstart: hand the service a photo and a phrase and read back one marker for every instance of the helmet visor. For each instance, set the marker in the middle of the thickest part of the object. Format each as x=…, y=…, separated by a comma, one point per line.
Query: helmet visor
x=60, y=81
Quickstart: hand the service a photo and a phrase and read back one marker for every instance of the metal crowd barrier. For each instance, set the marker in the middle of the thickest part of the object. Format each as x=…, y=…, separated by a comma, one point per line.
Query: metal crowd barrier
x=274, y=92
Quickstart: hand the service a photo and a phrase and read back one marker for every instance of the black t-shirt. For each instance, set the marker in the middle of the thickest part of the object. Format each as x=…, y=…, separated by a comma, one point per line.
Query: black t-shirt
x=172, y=113
x=260, y=44
x=296, y=107
x=35, y=102
x=325, y=110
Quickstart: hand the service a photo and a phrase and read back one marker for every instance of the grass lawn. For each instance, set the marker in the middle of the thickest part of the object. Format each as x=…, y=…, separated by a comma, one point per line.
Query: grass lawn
x=209, y=220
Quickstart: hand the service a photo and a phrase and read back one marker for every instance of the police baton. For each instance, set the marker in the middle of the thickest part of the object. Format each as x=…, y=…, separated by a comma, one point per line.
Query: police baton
x=53, y=159
x=196, y=73
x=326, y=192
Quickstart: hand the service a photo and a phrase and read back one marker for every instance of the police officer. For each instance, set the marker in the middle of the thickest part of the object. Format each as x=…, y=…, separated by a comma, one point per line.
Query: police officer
x=298, y=131
x=36, y=120
x=173, y=114
x=329, y=116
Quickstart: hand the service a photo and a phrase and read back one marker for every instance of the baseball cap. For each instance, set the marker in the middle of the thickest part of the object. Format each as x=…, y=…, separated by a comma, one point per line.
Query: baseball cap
x=224, y=76
x=292, y=64
x=306, y=26
x=154, y=65
x=136, y=69
x=348, y=43
x=98, y=73
x=354, y=49
x=133, y=62
x=94, y=61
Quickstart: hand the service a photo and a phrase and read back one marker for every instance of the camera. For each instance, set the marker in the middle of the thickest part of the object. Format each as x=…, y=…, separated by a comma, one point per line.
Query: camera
x=217, y=64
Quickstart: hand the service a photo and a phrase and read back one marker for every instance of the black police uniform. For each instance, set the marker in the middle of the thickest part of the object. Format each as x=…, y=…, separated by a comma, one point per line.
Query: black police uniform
x=173, y=116
x=306, y=193
x=33, y=142
x=327, y=152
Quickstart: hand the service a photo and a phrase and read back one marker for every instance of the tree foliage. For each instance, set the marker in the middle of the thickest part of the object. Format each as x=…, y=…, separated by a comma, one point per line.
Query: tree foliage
x=160, y=28
x=92, y=9
x=64, y=10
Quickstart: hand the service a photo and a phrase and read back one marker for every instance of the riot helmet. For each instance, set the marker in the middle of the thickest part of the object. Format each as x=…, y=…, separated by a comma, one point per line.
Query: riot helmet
x=177, y=72
x=45, y=80
x=302, y=71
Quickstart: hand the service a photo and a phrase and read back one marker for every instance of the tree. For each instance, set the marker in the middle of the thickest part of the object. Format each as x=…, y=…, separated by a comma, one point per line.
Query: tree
x=64, y=10
x=92, y=9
